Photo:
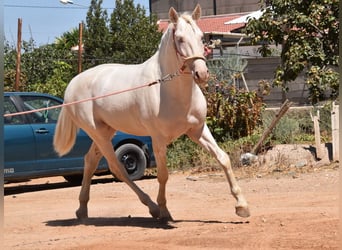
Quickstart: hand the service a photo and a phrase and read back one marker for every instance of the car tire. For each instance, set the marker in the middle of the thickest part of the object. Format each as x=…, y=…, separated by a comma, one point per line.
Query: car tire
x=75, y=179
x=134, y=160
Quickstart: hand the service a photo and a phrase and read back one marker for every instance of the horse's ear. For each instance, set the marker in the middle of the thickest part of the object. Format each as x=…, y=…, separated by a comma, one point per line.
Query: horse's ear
x=196, y=14
x=173, y=15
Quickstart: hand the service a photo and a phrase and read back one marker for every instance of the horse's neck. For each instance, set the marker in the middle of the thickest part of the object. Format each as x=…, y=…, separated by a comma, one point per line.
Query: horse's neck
x=181, y=86
x=167, y=55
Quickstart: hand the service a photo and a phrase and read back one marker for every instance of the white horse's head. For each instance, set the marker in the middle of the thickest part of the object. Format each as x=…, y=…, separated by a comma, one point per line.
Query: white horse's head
x=188, y=43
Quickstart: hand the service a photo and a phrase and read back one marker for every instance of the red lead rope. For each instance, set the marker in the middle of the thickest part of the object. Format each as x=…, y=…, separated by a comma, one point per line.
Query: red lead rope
x=168, y=77
x=80, y=101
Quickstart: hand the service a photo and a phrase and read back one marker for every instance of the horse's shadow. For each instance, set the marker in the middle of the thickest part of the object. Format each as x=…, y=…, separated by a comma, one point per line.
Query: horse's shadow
x=143, y=222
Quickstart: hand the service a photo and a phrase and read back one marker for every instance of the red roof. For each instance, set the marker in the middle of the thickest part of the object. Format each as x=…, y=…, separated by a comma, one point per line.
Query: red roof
x=212, y=23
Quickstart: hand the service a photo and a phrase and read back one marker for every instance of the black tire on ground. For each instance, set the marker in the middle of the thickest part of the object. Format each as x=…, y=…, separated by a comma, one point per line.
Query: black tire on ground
x=133, y=158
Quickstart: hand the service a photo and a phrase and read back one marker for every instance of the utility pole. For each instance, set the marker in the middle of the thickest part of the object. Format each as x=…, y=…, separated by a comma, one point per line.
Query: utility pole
x=17, y=71
x=150, y=7
x=80, y=49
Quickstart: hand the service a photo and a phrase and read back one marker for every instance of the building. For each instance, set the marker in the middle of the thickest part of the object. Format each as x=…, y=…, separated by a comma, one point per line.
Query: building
x=209, y=7
x=224, y=21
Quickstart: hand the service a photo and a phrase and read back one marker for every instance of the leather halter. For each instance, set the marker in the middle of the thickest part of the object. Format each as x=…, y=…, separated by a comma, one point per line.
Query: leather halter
x=184, y=58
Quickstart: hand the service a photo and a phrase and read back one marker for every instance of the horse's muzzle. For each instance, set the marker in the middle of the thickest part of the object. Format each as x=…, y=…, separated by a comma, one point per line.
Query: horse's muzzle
x=200, y=71
x=201, y=77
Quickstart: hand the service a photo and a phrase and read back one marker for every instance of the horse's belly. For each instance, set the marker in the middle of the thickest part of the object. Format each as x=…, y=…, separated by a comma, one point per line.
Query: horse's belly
x=127, y=120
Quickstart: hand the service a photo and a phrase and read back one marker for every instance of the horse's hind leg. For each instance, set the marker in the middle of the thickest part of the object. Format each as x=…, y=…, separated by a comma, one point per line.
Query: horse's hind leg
x=120, y=172
x=203, y=137
x=91, y=161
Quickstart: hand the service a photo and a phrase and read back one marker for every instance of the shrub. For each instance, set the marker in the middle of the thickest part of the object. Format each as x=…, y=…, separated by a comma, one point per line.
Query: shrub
x=297, y=127
x=232, y=112
x=286, y=130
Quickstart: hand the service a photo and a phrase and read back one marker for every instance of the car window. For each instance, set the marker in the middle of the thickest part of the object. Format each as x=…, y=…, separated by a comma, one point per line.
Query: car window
x=38, y=102
x=9, y=108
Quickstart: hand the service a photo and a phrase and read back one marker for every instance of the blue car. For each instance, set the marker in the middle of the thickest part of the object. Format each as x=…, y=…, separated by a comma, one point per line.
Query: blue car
x=29, y=151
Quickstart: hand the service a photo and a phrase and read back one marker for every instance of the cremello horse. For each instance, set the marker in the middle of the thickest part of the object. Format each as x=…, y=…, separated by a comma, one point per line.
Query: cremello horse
x=164, y=111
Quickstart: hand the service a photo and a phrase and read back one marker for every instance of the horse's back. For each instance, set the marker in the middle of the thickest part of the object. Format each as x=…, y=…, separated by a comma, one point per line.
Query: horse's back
x=115, y=81
x=106, y=78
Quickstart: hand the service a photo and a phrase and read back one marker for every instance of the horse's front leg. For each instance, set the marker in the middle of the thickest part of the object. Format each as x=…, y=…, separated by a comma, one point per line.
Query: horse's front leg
x=91, y=160
x=162, y=175
x=203, y=137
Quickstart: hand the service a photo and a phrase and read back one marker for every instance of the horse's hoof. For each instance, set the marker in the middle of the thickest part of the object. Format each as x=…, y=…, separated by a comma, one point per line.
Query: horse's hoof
x=165, y=220
x=242, y=211
x=165, y=215
x=82, y=214
x=154, y=211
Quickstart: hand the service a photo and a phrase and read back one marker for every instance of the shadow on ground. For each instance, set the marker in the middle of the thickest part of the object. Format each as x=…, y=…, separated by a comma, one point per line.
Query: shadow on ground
x=143, y=222
x=27, y=187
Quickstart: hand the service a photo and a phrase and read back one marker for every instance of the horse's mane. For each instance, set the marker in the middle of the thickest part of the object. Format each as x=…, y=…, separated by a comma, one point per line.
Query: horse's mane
x=188, y=18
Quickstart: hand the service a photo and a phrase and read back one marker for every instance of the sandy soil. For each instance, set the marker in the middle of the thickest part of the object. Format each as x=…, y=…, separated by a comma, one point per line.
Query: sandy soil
x=289, y=211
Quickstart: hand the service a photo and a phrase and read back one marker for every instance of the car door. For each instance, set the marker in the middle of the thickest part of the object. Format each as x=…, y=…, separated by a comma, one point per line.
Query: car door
x=19, y=142
x=43, y=125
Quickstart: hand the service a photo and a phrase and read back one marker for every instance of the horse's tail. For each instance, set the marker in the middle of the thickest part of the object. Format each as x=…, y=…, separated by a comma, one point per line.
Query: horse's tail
x=65, y=133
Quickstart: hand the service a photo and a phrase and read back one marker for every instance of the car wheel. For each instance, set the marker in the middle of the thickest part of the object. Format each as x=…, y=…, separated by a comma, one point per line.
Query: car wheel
x=134, y=160
x=74, y=179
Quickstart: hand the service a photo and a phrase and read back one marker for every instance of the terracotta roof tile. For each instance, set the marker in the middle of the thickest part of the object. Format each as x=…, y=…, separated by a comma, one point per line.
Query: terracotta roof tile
x=211, y=23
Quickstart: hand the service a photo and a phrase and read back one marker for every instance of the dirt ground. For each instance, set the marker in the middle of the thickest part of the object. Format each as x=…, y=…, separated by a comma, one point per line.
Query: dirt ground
x=289, y=211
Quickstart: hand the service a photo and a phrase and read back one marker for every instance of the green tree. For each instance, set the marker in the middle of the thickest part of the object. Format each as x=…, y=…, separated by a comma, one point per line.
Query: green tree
x=10, y=56
x=47, y=64
x=63, y=46
x=34, y=66
x=68, y=40
x=135, y=36
x=57, y=82
x=308, y=32
x=38, y=63
x=35, y=62
x=49, y=67
x=96, y=35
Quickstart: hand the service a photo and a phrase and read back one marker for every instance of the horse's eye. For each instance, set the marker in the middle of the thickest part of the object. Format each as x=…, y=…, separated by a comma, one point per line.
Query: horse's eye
x=180, y=40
